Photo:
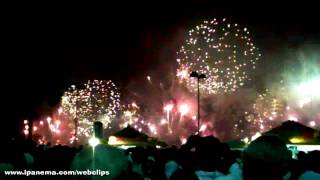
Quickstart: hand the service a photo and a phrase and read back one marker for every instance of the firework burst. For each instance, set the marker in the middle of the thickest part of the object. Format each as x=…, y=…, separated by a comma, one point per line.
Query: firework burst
x=98, y=101
x=223, y=51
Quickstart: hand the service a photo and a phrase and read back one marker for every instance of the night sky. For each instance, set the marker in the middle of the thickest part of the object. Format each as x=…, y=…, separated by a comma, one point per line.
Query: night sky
x=48, y=49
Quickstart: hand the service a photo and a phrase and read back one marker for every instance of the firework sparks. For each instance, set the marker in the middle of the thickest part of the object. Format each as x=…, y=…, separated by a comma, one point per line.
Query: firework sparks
x=168, y=108
x=226, y=54
x=99, y=100
x=222, y=51
x=184, y=109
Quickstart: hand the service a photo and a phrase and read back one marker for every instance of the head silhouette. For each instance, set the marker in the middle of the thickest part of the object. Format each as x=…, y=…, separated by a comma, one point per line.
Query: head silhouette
x=265, y=158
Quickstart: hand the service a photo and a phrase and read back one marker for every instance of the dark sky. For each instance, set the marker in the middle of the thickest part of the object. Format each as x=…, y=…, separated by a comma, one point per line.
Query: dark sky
x=47, y=49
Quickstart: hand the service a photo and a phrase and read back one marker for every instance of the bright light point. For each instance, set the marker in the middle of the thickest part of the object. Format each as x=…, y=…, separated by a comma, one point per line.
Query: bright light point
x=203, y=127
x=26, y=132
x=168, y=107
x=312, y=123
x=288, y=107
x=184, y=109
x=183, y=140
x=26, y=126
x=246, y=140
x=58, y=122
x=304, y=101
x=163, y=121
x=183, y=74
x=128, y=113
x=309, y=88
x=125, y=124
x=296, y=140
x=194, y=117
x=60, y=110
x=254, y=137
x=293, y=118
x=126, y=147
x=93, y=141
x=51, y=127
x=72, y=139
x=152, y=128
x=35, y=128
x=58, y=141
x=134, y=105
x=25, y=122
x=305, y=148
x=149, y=78
x=41, y=123
x=112, y=140
x=49, y=119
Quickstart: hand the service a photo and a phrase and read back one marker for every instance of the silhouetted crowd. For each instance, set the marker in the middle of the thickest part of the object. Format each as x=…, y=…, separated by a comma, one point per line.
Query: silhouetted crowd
x=204, y=158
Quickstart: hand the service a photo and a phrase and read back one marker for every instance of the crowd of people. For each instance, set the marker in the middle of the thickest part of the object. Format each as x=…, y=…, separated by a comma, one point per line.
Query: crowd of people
x=204, y=158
